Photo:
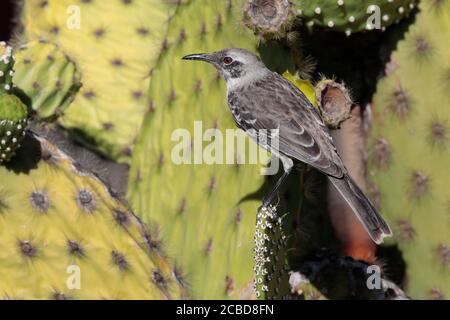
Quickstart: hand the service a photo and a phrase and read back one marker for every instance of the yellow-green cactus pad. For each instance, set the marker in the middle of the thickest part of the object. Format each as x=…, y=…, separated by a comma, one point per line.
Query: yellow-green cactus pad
x=115, y=45
x=201, y=211
x=47, y=77
x=409, y=150
x=63, y=235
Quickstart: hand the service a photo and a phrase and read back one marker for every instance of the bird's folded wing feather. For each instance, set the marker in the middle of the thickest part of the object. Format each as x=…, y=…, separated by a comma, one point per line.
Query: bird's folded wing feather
x=275, y=103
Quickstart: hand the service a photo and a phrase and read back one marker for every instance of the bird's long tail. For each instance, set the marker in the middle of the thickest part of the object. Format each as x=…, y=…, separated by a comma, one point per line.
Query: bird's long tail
x=372, y=221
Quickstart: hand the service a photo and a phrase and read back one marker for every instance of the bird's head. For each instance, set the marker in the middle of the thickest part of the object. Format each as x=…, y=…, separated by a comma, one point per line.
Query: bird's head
x=233, y=64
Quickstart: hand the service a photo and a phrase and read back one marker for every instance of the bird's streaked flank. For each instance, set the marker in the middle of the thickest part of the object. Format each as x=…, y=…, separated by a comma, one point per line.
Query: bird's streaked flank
x=260, y=99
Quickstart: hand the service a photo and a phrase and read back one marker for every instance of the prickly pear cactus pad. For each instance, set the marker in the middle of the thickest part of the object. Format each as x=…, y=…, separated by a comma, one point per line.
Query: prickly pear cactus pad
x=13, y=113
x=200, y=208
x=352, y=15
x=63, y=235
x=409, y=150
x=115, y=45
x=47, y=76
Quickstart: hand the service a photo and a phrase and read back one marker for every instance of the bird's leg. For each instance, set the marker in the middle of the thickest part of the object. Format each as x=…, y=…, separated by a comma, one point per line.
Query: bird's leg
x=269, y=197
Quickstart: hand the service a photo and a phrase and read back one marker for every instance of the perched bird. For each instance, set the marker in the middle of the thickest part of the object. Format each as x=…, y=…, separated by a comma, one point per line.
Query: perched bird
x=262, y=101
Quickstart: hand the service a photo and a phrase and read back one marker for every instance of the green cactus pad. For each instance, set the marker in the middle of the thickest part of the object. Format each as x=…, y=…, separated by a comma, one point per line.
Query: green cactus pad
x=47, y=77
x=63, y=235
x=351, y=15
x=409, y=150
x=11, y=133
x=200, y=209
x=13, y=113
x=115, y=45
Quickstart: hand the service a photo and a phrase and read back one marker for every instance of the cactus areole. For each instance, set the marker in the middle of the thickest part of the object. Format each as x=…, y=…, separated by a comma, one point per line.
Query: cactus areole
x=13, y=113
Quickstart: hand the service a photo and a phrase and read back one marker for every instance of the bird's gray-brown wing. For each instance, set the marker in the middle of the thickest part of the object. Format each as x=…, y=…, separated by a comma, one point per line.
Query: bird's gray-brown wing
x=275, y=103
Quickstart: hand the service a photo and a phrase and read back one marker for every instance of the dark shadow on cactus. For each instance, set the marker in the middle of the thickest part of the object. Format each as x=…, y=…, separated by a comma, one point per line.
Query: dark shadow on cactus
x=27, y=156
x=6, y=14
x=271, y=51
x=26, y=100
x=307, y=221
x=302, y=202
x=393, y=264
x=358, y=60
x=343, y=278
x=269, y=182
x=112, y=174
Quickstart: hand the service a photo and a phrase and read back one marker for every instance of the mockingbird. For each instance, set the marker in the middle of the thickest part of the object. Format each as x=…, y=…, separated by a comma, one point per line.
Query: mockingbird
x=262, y=101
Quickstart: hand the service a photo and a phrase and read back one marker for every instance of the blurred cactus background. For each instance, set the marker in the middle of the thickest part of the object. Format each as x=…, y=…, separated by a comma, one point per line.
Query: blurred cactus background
x=92, y=205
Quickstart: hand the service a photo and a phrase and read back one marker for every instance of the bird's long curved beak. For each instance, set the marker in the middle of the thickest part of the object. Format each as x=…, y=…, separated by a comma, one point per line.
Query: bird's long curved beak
x=199, y=56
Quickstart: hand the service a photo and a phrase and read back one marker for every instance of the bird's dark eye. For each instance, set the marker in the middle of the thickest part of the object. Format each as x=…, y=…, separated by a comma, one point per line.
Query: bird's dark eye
x=227, y=60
